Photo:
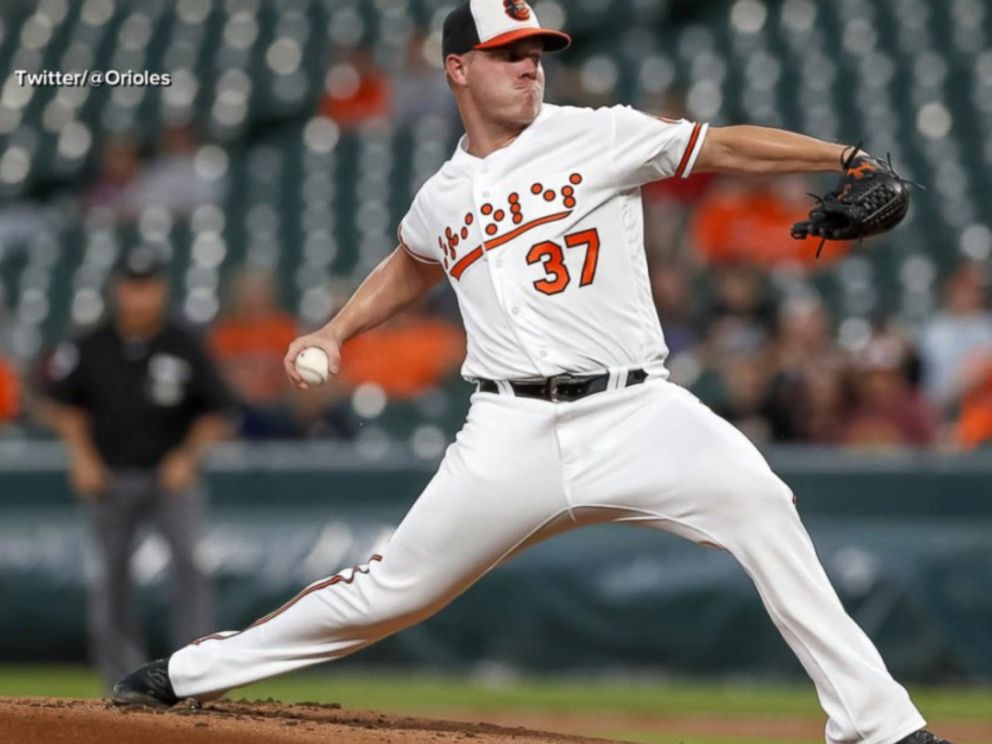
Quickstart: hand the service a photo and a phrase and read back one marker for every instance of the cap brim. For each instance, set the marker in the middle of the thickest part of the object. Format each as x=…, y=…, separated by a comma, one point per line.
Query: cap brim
x=554, y=41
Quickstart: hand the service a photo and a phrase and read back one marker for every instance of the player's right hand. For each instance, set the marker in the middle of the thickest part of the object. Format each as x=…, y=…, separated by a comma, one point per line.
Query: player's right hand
x=88, y=476
x=323, y=339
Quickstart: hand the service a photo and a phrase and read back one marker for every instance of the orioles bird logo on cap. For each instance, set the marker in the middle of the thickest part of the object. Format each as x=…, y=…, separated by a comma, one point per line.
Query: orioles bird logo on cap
x=517, y=10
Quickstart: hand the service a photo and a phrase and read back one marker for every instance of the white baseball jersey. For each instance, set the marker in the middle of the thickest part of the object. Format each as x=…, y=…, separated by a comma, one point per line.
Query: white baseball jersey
x=543, y=241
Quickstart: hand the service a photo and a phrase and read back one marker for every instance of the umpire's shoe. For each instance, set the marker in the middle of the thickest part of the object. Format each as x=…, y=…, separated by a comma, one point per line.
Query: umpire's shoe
x=923, y=737
x=147, y=685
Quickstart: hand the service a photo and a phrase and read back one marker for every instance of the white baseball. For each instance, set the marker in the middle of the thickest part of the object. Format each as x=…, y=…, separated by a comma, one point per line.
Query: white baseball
x=312, y=365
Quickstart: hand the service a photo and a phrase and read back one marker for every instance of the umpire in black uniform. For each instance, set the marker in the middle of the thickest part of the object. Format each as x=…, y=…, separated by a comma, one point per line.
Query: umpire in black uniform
x=138, y=402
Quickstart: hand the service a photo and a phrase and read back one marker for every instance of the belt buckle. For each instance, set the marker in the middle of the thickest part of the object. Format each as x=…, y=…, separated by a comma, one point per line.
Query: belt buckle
x=553, y=389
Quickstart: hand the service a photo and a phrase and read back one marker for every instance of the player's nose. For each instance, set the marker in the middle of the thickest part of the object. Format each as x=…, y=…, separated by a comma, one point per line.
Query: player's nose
x=529, y=67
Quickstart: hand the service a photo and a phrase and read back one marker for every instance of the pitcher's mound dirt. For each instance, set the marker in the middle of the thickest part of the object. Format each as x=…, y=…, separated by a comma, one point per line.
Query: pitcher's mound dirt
x=59, y=721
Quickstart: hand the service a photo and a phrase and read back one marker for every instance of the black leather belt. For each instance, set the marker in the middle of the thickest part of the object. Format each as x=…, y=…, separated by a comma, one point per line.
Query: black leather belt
x=564, y=387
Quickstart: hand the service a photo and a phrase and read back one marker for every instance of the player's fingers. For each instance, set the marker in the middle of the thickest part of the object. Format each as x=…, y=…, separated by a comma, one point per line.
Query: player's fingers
x=289, y=361
x=290, y=370
x=333, y=358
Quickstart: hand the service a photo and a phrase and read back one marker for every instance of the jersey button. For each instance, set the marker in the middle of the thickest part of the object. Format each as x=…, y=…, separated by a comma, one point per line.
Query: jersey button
x=499, y=263
x=485, y=193
x=515, y=311
x=544, y=352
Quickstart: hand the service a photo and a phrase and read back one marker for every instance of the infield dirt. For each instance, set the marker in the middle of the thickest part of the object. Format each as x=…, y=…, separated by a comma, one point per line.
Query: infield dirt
x=59, y=721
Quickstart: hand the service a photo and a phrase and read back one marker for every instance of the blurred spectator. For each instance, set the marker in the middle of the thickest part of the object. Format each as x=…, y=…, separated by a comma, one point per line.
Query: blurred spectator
x=249, y=343
x=10, y=392
x=734, y=379
x=324, y=412
x=419, y=88
x=172, y=180
x=740, y=294
x=888, y=411
x=676, y=302
x=974, y=425
x=744, y=388
x=810, y=407
x=804, y=335
x=748, y=220
x=357, y=90
x=738, y=320
x=809, y=396
x=138, y=403
x=958, y=335
x=114, y=186
x=22, y=220
x=407, y=356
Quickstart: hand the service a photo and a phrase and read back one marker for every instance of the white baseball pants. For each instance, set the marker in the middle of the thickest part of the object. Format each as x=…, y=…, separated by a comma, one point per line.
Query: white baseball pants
x=522, y=470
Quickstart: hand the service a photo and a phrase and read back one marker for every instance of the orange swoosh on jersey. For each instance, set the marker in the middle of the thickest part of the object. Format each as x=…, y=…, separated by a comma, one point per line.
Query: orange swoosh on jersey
x=476, y=253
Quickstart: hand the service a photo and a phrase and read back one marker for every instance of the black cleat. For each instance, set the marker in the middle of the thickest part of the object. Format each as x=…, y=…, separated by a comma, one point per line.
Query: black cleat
x=923, y=737
x=149, y=685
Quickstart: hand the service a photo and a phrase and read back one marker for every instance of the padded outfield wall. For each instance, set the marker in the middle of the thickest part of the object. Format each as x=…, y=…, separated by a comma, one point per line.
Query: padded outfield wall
x=907, y=540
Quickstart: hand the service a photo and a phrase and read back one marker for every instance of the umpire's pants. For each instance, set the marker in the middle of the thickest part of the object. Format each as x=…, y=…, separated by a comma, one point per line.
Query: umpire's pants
x=132, y=499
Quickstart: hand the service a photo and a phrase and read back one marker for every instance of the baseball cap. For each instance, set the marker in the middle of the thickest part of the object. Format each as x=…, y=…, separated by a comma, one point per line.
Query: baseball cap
x=488, y=24
x=141, y=263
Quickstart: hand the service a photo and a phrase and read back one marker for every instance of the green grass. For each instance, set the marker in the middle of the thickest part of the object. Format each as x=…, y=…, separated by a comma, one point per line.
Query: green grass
x=435, y=695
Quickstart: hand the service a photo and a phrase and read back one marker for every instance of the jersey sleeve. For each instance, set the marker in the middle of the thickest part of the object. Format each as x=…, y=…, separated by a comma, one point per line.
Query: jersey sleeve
x=414, y=237
x=645, y=148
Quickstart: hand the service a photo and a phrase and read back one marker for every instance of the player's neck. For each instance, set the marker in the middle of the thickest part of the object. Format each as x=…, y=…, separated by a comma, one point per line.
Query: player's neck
x=486, y=137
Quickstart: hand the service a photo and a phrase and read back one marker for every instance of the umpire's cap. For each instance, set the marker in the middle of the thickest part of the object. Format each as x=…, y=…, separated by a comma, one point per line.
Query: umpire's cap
x=141, y=263
x=487, y=24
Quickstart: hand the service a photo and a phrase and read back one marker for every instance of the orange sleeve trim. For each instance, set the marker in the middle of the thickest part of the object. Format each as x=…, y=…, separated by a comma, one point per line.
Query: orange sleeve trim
x=688, y=150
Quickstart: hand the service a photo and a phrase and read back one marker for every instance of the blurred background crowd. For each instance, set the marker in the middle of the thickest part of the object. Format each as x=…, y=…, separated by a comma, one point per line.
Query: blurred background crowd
x=272, y=173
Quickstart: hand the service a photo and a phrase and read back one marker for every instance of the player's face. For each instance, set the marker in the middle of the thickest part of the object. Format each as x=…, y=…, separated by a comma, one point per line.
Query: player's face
x=507, y=84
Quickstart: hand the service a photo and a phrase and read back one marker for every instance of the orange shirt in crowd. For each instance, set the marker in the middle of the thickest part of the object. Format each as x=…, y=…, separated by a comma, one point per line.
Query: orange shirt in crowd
x=250, y=354
x=975, y=424
x=10, y=392
x=753, y=227
x=372, y=98
x=404, y=360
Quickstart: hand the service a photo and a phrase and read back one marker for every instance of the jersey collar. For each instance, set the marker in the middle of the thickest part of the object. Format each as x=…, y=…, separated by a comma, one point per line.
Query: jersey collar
x=463, y=157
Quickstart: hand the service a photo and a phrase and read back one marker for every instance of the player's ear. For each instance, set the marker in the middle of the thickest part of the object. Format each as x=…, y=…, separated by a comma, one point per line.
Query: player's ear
x=455, y=67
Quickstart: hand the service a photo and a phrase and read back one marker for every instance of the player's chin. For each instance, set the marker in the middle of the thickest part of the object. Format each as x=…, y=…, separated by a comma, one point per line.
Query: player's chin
x=528, y=109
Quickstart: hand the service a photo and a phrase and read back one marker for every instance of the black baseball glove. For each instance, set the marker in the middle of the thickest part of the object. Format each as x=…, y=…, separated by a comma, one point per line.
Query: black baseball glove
x=870, y=199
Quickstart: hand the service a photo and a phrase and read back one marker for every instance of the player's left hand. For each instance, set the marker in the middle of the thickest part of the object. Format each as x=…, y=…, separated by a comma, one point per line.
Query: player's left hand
x=871, y=198
x=178, y=471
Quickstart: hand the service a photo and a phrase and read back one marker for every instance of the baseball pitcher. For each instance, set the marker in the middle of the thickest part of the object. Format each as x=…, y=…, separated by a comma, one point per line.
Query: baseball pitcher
x=536, y=223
